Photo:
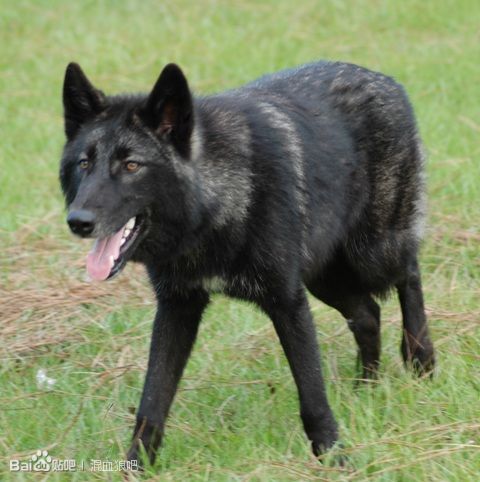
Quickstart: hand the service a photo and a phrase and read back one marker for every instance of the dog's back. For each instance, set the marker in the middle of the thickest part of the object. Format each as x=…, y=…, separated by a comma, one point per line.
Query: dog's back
x=333, y=164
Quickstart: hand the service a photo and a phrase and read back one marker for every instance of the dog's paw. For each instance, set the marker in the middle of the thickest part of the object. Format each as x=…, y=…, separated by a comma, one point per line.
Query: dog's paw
x=323, y=440
x=134, y=456
x=334, y=456
x=423, y=364
x=420, y=356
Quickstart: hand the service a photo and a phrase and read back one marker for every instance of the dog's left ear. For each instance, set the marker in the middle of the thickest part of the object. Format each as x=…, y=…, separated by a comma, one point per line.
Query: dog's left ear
x=168, y=110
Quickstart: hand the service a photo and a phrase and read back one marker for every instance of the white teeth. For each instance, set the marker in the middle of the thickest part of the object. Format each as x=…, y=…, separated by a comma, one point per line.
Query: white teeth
x=112, y=261
x=130, y=224
x=127, y=230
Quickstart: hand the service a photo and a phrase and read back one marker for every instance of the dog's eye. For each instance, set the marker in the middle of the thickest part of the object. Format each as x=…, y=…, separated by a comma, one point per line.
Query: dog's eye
x=132, y=166
x=84, y=163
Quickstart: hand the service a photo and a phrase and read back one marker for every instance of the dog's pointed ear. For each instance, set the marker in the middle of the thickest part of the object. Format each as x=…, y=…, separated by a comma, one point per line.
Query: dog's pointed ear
x=81, y=100
x=168, y=110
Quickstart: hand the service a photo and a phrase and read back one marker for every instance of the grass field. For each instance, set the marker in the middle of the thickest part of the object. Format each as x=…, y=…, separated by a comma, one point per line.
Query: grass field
x=236, y=415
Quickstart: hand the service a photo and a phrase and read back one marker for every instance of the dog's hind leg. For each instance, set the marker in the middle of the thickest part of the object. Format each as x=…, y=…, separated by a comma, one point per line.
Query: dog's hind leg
x=340, y=288
x=363, y=318
x=417, y=348
x=294, y=325
x=174, y=332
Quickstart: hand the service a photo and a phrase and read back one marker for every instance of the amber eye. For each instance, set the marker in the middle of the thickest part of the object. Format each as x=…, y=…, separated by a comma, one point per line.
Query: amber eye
x=84, y=163
x=132, y=166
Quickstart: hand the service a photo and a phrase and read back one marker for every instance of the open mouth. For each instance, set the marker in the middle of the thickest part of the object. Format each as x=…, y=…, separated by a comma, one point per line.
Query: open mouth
x=109, y=255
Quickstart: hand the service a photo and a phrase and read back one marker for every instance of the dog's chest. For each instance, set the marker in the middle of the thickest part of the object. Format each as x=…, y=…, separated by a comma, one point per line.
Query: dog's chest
x=215, y=284
x=240, y=286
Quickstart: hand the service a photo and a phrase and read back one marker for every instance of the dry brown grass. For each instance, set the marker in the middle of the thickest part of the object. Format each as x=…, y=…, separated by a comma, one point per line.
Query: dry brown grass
x=43, y=297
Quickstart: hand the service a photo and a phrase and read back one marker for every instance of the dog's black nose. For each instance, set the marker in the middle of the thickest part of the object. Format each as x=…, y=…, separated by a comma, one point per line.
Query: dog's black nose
x=81, y=222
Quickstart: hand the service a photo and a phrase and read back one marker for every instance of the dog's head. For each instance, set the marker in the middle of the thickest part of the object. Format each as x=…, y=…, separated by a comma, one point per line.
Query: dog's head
x=125, y=169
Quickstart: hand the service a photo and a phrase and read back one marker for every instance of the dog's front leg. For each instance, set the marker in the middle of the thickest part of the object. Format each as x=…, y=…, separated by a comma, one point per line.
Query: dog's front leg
x=294, y=325
x=174, y=331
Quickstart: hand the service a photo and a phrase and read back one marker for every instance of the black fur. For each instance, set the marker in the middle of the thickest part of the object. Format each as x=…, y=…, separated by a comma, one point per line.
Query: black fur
x=308, y=177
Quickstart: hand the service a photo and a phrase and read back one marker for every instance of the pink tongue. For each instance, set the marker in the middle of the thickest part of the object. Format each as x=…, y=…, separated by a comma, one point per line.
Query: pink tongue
x=100, y=260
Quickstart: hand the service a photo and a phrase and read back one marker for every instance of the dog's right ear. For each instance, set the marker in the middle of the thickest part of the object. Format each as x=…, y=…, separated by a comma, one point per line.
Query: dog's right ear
x=81, y=100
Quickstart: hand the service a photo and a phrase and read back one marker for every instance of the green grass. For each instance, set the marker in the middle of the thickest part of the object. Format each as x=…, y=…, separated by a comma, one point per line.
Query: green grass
x=236, y=415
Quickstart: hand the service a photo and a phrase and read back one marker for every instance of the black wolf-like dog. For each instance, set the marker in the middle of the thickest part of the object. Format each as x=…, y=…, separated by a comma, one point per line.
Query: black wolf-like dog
x=311, y=177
